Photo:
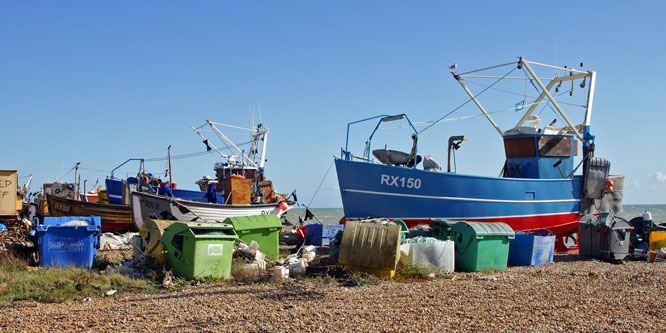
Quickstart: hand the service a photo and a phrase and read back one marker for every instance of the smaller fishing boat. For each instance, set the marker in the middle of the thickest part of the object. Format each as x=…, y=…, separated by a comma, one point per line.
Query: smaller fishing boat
x=240, y=187
x=114, y=217
x=146, y=205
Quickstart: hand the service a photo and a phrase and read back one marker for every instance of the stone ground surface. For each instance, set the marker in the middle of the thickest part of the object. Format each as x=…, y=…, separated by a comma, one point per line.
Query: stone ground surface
x=572, y=294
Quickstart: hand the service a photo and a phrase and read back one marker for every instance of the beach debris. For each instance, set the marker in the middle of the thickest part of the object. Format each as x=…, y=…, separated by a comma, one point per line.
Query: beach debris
x=256, y=265
x=309, y=253
x=291, y=237
x=3, y=288
x=280, y=273
x=351, y=284
x=297, y=268
x=137, y=245
x=652, y=256
x=111, y=292
x=111, y=241
x=661, y=253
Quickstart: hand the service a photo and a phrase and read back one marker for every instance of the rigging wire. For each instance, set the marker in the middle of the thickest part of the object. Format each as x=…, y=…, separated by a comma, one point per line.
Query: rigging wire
x=322, y=182
x=424, y=123
x=63, y=176
x=519, y=94
x=96, y=170
x=471, y=98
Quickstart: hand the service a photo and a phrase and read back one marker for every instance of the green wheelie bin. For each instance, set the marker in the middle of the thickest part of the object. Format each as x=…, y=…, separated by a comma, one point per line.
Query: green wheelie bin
x=481, y=246
x=199, y=250
x=263, y=229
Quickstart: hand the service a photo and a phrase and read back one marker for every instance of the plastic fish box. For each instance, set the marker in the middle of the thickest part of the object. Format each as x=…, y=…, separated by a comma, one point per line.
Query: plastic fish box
x=321, y=234
x=531, y=249
x=68, y=245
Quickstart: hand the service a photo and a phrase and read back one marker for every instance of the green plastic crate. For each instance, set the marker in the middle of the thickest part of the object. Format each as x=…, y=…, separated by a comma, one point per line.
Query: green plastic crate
x=403, y=229
x=198, y=250
x=481, y=246
x=441, y=229
x=263, y=229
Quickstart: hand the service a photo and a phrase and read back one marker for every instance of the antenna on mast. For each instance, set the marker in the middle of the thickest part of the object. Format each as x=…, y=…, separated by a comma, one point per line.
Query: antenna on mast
x=261, y=120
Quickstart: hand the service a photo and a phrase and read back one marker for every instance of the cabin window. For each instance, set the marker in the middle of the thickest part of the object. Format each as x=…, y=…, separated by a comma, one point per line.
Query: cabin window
x=554, y=146
x=520, y=147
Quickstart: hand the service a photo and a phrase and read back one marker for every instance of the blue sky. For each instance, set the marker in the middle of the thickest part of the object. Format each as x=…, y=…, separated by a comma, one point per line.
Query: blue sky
x=101, y=82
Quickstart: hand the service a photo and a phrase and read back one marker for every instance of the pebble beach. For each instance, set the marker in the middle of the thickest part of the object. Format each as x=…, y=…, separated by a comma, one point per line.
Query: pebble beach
x=572, y=294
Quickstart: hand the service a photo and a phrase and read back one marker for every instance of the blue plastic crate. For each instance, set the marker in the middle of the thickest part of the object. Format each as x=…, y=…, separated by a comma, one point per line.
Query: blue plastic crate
x=321, y=234
x=68, y=246
x=531, y=249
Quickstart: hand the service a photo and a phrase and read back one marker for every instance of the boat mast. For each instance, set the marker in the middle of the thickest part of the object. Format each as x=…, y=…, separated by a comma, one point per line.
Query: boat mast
x=590, y=98
x=263, y=148
x=209, y=144
x=550, y=97
x=573, y=74
x=490, y=119
x=232, y=145
x=170, y=181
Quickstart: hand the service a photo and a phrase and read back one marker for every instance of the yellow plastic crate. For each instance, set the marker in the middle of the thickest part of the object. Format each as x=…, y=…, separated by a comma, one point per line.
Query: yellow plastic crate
x=657, y=240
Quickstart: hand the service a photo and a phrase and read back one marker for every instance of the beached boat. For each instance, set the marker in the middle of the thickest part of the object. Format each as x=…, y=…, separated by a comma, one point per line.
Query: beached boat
x=115, y=188
x=146, y=205
x=241, y=186
x=537, y=188
x=114, y=217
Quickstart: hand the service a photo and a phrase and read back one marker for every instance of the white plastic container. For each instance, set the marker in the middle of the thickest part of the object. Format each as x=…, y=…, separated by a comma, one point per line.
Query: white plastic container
x=297, y=268
x=438, y=255
x=647, y=216
x=280, y=273
x=309, y=256
x=309, y=249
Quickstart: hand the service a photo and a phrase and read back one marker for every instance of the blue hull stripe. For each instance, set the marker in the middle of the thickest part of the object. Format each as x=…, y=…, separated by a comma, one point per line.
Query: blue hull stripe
x=459, y=199
x=376, y=190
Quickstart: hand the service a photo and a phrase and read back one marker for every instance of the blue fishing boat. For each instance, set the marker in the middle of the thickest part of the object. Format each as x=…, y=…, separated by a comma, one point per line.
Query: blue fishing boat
x=538, y=188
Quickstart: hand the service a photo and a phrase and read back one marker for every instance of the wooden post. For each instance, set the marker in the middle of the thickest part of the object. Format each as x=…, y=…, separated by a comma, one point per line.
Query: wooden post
x=77, y=179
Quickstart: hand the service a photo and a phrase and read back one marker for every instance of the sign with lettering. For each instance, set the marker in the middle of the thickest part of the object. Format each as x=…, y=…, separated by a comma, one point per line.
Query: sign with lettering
x=8, y=188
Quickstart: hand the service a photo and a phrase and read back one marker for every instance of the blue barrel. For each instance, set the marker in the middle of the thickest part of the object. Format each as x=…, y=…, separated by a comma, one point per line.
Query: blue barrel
x=68, y=245
x=531, y=249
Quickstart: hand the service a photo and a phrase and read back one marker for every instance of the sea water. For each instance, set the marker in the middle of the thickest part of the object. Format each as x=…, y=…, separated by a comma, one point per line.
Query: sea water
x=333, y=215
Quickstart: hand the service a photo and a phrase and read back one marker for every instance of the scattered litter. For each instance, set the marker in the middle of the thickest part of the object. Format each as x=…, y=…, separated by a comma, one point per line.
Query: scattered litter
x=85, y=299
x=308, y=249
x=661, y=253
x=111, y=241
x=111, y=292
x=297, y=268
x=280, y=273
x=350, y=284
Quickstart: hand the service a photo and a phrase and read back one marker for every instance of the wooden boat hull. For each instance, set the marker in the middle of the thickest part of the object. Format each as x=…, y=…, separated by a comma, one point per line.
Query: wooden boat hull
x=145, y=205
x=114, y=217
